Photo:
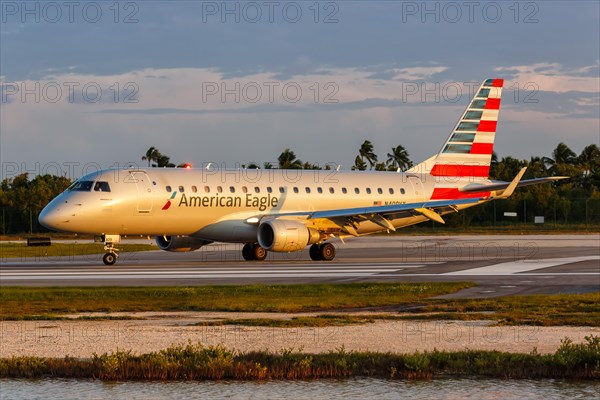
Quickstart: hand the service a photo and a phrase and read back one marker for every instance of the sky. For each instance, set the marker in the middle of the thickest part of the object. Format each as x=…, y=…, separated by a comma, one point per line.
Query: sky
x=88, y=85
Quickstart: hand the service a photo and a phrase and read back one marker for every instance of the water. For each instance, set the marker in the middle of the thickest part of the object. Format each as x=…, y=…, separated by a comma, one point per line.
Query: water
x=324, y=389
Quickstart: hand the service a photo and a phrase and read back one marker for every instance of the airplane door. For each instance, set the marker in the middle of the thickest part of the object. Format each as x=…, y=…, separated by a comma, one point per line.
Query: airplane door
x=417, y=185
x=144, y=189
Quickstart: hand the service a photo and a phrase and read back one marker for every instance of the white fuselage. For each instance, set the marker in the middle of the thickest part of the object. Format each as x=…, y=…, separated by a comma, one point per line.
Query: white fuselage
x=220, y=206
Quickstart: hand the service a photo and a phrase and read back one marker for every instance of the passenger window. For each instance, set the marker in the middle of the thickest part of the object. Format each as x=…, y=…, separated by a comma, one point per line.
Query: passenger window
x=402, y=191
x=331, y=190
x=194, y=189
x=244, y=189
x=391, y=191
x=368, y=190
x=380, y=190
x=320, y=190
x=295, y=190
x=207, y=189
x=307, y=189
x=168, y=189
x=281, y=189
x=256, y=189
x=101, y=187
x=356, y=190
x=181, y=189
x=220, y=189
x=269, y=189
x=232, y=189
x=344, y=190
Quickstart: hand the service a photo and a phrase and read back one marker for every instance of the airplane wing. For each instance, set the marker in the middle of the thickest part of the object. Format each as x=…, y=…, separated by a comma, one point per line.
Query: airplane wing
x=347, y=219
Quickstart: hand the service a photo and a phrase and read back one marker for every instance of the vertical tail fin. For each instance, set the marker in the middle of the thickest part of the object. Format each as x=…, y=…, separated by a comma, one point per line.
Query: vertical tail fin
x=467, y=152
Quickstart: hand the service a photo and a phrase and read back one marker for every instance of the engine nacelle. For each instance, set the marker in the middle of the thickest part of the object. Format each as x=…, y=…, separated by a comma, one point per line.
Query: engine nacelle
x=286, y=235
x=179, y=243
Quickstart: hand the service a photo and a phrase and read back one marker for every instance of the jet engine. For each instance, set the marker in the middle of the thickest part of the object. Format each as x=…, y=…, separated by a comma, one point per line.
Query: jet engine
x=179, y=243
x=286, y=235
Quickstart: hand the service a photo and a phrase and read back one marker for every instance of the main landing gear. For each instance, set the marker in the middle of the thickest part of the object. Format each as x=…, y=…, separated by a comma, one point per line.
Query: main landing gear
x=322, y=252
x=318, y=252
x=253, y=252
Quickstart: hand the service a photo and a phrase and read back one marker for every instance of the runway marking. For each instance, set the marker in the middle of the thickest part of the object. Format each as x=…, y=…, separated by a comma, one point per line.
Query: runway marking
x=190, y=270
x=517, y=267
x=292, y=271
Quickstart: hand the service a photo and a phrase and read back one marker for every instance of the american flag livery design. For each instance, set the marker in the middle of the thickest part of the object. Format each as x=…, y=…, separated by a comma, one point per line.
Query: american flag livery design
x=467, y=153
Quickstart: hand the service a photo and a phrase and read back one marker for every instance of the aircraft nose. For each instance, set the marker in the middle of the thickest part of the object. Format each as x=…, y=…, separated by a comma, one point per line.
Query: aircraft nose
x=51, y=217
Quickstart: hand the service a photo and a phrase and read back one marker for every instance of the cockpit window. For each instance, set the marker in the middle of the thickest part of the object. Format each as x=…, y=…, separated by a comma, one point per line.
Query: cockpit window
x=81, y=186
x=101, y=186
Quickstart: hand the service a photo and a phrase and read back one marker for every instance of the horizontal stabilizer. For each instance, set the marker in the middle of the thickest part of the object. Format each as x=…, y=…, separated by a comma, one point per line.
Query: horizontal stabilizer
x=500, y=185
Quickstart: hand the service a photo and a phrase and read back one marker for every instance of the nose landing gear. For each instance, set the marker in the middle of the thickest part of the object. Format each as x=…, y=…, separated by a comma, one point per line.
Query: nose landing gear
x=112, y=253
x=110, y=258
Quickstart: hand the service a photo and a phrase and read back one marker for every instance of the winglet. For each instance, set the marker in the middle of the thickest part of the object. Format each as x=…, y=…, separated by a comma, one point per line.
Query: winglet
x=506, y=193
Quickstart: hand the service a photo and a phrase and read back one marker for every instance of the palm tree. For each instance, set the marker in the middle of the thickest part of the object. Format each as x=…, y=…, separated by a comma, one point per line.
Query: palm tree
x=588, y=163
x=562, y=158
x=359, y=164
x=164, y=161
x=561, y=155
x=589, y=157
x=399, y=158
x=151, y=155
x=366, y=152
x=287, y=160
x=536, y=168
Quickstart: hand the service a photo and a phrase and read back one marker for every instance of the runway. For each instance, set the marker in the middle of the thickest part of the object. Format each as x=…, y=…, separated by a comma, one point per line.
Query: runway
x=500, y=265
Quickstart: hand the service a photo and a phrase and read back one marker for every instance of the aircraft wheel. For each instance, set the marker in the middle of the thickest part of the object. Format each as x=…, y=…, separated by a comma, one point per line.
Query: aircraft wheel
x=259, y=253
x=327, y=251
x=247, y=252
x=315, y=252
x=109, y=258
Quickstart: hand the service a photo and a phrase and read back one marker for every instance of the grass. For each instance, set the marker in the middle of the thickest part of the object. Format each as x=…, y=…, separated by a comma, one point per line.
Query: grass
x=21, y=250
x=22, y=302
x=195, y=362
x=416, y=299
x=540, y=310
x=317, y=321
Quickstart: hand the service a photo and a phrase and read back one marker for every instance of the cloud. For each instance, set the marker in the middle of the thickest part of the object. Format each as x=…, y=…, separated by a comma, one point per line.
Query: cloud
x=194, y=113
x=554, y=77
x=417, y=73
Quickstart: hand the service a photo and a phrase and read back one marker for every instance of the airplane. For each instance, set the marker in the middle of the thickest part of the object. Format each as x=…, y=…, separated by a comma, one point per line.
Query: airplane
x=282, y=210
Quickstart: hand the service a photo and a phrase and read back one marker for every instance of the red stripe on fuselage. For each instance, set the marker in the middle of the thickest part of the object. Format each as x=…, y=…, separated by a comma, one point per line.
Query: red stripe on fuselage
x=455, y=194
x=479, y=171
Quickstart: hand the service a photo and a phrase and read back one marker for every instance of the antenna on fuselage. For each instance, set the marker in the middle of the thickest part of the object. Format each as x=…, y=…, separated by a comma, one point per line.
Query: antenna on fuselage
x=337, y=169
x=208, y=166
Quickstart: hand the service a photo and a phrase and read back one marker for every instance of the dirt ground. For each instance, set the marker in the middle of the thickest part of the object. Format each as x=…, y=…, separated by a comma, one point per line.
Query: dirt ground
x=155, y=331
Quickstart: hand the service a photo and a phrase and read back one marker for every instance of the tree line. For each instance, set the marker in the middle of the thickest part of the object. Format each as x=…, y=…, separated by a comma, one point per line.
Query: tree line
x=576, y=200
